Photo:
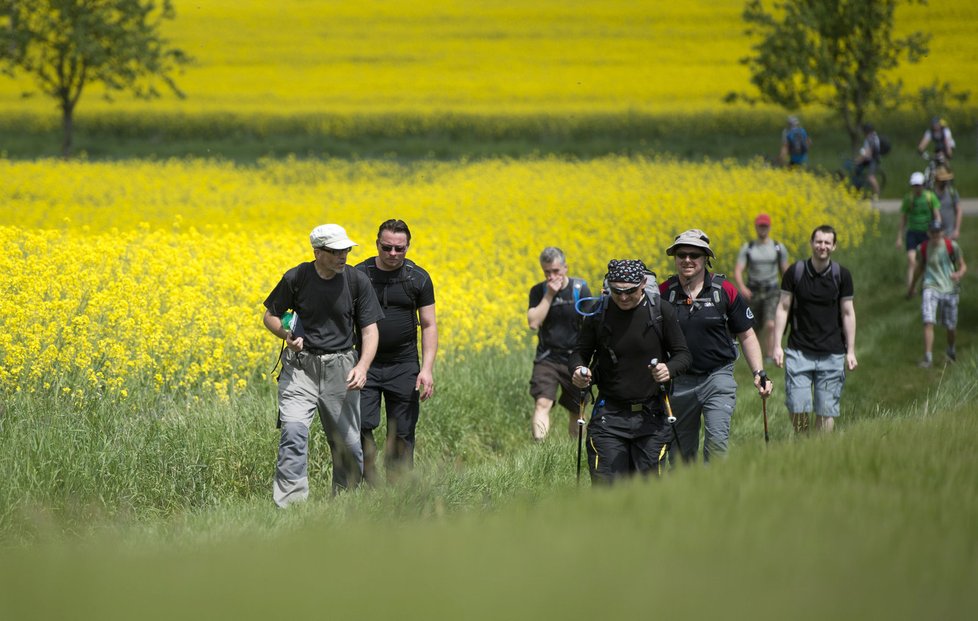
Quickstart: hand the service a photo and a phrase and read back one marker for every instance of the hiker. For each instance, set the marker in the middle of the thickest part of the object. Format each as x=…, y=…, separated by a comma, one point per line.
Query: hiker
x=920, y=207
x=321, y=370
x=628, y=432
x=407, y=297
x=765, y=260
x=942, y=266
x=709, y=310
x=947, y=194
x=869, y=158
x=795, y=143
x=816, y=297
x=553, y=315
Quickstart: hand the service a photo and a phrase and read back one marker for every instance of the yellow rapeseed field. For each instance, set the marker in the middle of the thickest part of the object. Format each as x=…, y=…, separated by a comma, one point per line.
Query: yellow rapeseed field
x=135, y=275
x=496, y=57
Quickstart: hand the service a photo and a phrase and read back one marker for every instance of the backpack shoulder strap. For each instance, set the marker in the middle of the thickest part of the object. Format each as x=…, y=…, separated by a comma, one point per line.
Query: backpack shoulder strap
x=950, y=251
x=799, y=270
x=923, y=250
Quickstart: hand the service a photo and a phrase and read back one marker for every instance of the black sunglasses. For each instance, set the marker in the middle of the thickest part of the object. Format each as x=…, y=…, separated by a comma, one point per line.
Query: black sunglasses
x=388, y=248
x=689, y=255
x=627, y=291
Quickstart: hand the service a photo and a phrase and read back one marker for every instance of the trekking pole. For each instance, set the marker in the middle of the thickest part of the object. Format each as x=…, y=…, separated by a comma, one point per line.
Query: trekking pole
x=669, y=416
x=764, y=409
x=580, y=425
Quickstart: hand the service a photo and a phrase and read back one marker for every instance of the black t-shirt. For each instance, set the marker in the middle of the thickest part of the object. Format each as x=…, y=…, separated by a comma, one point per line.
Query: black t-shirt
x=816, y=312
x=325, y=307
x=558, y=332
x=708, y=334
x=401, y=293
x=622, y=371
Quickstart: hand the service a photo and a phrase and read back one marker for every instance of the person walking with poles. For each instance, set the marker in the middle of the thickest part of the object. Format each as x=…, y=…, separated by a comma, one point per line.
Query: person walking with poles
x=942, y=266
x=321, y=370
x=920, y=207
x=628, y=432
x=816, y=296
x=552, y=313
x=765, y=260
x=795, y=143
x=709, y=309
x=407, y=296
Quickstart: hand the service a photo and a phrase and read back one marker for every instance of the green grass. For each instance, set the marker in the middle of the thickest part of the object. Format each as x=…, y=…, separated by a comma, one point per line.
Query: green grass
x=739, y=134
x=164, y=511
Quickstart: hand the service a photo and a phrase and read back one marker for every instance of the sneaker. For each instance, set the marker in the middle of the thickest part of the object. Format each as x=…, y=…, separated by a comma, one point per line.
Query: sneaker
x=924, y=364
x=952, y=356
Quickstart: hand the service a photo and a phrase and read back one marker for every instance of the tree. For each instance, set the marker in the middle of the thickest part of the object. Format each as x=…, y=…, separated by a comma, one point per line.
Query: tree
x=67, y=45
x=834, y=53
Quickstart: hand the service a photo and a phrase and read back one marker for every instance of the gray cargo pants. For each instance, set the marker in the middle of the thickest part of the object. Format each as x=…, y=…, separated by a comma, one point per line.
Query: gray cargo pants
x=308, y=384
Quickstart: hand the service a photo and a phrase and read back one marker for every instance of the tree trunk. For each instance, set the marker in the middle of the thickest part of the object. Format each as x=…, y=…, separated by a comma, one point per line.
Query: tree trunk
x=68, y=128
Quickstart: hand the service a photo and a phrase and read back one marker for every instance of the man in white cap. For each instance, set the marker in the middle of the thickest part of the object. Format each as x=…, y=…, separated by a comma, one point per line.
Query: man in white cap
x=321, y=369
x=920, y=207
x=709, y=309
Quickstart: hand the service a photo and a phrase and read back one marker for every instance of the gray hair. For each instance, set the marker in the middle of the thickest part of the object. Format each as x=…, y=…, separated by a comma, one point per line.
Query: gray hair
x=552, y=254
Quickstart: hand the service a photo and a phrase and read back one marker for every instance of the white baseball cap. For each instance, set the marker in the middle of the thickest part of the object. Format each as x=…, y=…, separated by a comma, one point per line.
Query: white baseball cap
x=330, y=236
x=917, y=178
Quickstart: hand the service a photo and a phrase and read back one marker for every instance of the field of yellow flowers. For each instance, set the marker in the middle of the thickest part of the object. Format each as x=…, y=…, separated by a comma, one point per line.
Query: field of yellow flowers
x=134, y=275
x=553, y=57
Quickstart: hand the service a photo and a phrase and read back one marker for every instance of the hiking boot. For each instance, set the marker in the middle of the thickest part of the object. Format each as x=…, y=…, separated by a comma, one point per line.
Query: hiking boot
x=925, y=364
x=952, y=356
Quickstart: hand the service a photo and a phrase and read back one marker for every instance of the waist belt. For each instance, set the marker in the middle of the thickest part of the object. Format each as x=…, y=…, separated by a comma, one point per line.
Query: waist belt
x=312, y=351
x=632, y=406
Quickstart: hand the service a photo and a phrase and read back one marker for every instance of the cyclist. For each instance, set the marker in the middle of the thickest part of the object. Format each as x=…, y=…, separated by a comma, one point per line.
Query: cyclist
x=940, y=134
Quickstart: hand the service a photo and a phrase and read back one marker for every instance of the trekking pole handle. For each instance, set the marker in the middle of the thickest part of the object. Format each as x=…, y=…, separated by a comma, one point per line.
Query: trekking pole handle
x=665, y=396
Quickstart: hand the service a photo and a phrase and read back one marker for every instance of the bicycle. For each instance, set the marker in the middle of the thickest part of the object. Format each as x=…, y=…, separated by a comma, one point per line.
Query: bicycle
x=856, y=177
x=934, y=162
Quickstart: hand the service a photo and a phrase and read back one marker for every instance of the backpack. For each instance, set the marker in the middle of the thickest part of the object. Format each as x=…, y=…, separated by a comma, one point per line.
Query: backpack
x=884, y=145
x=655, y=314
x=799, y=270
x=797, y=143
x=947, y=244
x=405, y=278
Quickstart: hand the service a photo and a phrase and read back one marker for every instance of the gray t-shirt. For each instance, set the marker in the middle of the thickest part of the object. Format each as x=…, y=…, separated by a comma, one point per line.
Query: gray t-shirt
x=763, y=262
x=949, y=199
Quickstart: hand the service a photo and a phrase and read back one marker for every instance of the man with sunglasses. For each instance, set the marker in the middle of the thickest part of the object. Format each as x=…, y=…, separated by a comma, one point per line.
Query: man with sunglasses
x=709, y=309
x=553, y=314
x=407, y=296
x=321, y=370
x=628, y=433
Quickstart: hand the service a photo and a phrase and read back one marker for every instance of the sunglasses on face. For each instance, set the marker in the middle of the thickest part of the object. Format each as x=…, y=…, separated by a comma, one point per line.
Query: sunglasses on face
x=335, y=252
x=388, y=248
x=626, y=291
x=689, y=255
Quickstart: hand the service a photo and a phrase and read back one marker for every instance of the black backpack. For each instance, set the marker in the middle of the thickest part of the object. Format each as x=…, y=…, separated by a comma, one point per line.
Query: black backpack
x=885, y=145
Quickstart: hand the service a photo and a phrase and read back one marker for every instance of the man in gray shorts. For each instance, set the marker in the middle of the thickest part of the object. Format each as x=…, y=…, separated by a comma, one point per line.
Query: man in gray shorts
x=817, y=293
x=942, y=266
x=321, y=370
x=765, y=260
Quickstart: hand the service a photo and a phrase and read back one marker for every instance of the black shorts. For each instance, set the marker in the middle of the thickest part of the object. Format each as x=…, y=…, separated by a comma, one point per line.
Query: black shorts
x=547, y=377
x=394, y=381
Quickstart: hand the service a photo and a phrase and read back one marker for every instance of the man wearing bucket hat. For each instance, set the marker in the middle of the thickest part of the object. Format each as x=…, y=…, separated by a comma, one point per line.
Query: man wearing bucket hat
x=920, y=207
x=709, y=309
x=321, y=370
x=764, y=260
x=629, y=348
x=945, y=191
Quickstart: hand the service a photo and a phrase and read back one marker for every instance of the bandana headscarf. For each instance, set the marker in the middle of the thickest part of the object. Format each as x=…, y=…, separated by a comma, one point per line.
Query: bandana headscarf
x=631, y=271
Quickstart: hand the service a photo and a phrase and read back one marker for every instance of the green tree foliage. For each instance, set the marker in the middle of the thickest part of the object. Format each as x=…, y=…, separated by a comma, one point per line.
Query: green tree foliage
x=67, y=45
x=832, y=53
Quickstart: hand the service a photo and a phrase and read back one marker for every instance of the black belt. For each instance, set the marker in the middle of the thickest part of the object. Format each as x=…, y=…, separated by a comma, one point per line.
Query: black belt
x=312, y=351
x=632, y=406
